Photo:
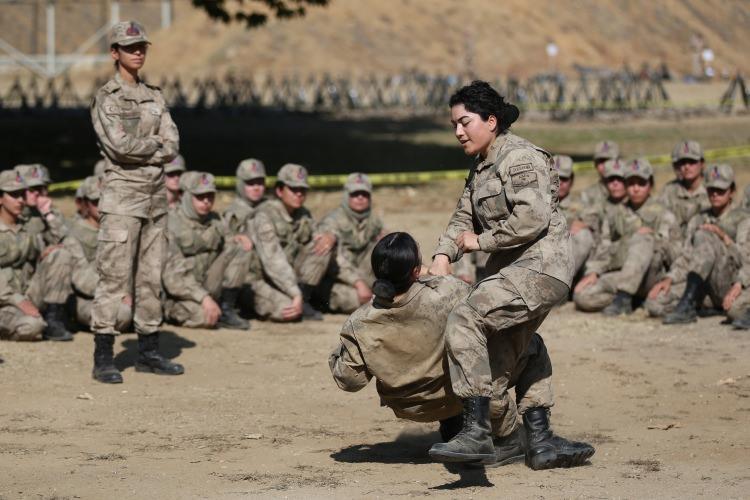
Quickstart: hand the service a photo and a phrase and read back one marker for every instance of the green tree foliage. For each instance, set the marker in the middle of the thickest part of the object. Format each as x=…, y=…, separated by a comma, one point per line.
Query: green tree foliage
x=254, y=13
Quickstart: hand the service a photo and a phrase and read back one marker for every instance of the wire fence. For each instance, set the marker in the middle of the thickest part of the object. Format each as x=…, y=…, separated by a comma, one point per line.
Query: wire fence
x=555, y=93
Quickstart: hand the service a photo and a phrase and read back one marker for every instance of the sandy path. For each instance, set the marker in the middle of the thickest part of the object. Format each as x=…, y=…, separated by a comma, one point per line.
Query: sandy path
x=257, y=413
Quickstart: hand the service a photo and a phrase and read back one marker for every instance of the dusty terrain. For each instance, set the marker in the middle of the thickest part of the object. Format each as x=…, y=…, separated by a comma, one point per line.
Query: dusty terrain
x=257, y=414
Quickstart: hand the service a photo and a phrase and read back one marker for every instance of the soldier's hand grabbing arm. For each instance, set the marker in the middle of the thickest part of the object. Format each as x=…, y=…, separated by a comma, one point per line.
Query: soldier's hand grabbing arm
x=447, y=250
x=211, y=310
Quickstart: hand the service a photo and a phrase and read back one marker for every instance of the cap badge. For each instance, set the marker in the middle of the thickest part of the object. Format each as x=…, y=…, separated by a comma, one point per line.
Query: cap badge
x=605, y=147
x=133, y=30
x=300, y=175
x=204, y=180
x=686, y=148
x=19, y=179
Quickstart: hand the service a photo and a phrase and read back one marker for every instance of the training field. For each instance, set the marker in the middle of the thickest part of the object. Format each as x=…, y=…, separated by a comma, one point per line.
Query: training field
x=257, y=412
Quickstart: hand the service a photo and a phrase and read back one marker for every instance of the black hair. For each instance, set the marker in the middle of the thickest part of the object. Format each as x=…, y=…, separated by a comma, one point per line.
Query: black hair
x=479, y=97
x=393, y=260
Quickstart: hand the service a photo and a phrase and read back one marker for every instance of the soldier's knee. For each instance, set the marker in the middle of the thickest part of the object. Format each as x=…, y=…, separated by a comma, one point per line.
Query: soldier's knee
x=655, y=307
x=124, y=317
x=28, y=328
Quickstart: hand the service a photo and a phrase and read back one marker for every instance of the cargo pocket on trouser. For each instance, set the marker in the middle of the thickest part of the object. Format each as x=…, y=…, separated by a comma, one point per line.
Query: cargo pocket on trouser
x=113, y=259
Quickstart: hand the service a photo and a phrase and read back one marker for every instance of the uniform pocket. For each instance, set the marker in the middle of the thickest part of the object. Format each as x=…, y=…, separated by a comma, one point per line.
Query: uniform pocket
x=130, y=121
x=113, y=257
x=491, y=201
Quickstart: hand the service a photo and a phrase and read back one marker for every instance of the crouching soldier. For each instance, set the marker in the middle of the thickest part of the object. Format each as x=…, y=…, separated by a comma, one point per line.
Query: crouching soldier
x=204, y=264
x=709, y=259
x=348, y=283
x=172, y=173
x=571, y=207
x=399, y=340
x=639, y=241
x=81, y=243
x=293, y=257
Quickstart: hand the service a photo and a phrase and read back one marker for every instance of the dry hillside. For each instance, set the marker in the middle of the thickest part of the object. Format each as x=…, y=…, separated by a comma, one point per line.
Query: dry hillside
x=497, y=37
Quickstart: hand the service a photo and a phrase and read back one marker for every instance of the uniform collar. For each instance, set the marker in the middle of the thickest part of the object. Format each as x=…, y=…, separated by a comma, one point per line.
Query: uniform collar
x=4, y=228
x=682, y=192
x=412, y=292
x=493, y=152
x=281, y=209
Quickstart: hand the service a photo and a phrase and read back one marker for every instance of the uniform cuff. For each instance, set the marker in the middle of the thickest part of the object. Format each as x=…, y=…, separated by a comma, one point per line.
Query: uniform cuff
x=448, y=249
x=487, y=242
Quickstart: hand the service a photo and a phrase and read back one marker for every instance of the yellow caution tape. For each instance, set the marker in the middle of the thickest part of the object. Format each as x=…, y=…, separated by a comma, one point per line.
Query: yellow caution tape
x=406, y=178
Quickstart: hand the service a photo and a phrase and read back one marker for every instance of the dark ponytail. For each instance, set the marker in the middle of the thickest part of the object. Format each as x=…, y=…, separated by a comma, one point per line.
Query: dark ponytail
x=393, y=260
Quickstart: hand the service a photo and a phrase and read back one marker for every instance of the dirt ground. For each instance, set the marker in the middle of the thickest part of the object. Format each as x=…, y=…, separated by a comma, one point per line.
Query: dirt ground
x=257, y=413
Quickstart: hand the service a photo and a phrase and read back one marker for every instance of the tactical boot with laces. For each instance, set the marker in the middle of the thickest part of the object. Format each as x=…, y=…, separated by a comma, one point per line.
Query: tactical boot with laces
x=229, y=317
x=545, y=450
x=149, y=360
x=622, y=304
x=105, y=370
x=686, y=310
x=473, y=443
x=54, y=316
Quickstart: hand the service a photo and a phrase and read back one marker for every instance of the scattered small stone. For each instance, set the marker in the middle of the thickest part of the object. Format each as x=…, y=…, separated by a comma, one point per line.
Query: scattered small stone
x=85, y=395
x=253, y=436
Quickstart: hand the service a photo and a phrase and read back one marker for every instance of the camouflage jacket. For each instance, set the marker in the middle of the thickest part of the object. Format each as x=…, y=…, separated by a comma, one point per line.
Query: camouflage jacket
x=571, y=208
x=50, y=230
x=683, y=203
x=81, y=243
x=510, y=201
x=355, y=240
x=402, y=345
x=136, y=135
x=594, y=195
x=193, y=246
x=279, y=238
x=743, y=244
x=19, y=251
x=622, y=222
x=239, y=214
x=729, y=222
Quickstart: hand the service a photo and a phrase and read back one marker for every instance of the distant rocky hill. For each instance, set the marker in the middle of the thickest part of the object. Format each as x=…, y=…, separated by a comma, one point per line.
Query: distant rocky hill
x=489, y=37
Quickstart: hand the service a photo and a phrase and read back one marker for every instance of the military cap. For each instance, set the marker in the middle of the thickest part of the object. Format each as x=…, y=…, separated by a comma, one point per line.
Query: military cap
x=91, y=188
x=199, y=183
x=614, y=168
x=719, y=176
x=687, y=150
x=34, y=175
x=606, y=150
x=639, y=167
x=176, y=165
x=358, y=182
x=99, y=167
x=127, y=33
x=250, y=169
x=293, y=175
x=564, y=166
x=11, y=181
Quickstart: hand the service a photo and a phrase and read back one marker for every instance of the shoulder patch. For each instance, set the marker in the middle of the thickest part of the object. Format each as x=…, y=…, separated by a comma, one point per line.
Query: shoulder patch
x=111, y=86
x=152, y=87
x=522, y=176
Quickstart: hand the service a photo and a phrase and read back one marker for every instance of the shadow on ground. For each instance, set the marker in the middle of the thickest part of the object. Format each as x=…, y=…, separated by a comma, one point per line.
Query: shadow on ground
x=170, y=346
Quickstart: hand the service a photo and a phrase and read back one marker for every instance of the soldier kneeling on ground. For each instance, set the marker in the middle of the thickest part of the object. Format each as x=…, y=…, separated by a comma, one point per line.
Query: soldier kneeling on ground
x=348, y=282
x=81, y=242
x=204, y=263
x=399, y=339
x=293, y=255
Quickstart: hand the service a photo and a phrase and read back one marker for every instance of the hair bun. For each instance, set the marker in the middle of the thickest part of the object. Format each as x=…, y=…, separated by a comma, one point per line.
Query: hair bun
x=384, y=289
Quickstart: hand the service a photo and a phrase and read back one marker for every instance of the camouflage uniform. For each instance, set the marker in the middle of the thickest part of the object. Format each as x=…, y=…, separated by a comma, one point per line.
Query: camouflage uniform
x=626, y=260
x=704, y=253
x=356, y=236
x=401, y=344
x=597, y=194
x=51, y=228
x=137, y=136
x=572, y=208
x=202, y=260
x=241, y=211
x=681, y=202
x=176, y=165
x=284, y=244
x=742, y=303
x=18, y=253
x=81, y=244
x=510, y=200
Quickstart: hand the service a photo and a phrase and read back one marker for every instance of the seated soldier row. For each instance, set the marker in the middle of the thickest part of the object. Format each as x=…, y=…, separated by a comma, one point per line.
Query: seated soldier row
x=267, y=257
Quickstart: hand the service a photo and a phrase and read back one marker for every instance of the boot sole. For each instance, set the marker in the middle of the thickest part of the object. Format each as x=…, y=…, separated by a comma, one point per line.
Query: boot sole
x=232, y=327
x=508, y=461
x=115, y=381
x=551, y=460
x=156, y=371
x=58, y=339
x=449, y=456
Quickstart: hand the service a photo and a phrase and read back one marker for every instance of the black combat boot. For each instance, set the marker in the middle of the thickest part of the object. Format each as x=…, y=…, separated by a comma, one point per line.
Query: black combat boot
x=473, y=443
x=743, y=322
x=450, y=427
x=622, y=304
x=686, y=310
x=545, y=450
x=54, y=315
x=104, y=366
x=229, y=317
x=308, y=311
x=149, y=359
x=509, y=449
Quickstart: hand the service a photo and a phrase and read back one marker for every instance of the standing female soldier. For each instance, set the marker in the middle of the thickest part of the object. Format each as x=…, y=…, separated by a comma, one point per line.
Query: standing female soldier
x=509, y=210
x=137, y=137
